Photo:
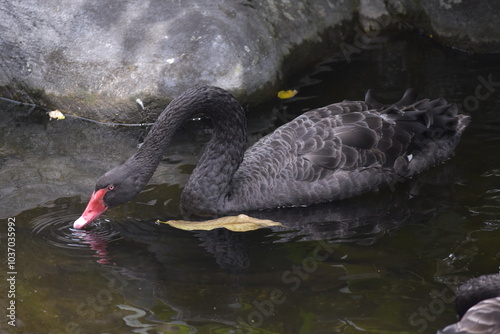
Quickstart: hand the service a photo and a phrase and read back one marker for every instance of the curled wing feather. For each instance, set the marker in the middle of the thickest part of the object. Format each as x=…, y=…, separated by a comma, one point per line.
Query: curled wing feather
x=353, y=139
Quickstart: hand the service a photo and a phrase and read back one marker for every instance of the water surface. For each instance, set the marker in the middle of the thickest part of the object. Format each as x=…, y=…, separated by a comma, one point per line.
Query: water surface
x=381, y=263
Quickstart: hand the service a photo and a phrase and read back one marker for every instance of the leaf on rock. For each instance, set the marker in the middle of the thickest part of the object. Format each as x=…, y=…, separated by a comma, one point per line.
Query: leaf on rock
x=287, y=94
x=240, y=223
x=56, y=114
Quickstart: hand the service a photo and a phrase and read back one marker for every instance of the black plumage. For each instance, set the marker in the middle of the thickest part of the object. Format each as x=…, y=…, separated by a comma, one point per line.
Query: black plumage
x=330, y=153
x=478, y=307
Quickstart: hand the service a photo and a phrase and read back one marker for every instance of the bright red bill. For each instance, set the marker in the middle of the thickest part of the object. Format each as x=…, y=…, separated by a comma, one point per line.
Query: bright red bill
x=94, y=209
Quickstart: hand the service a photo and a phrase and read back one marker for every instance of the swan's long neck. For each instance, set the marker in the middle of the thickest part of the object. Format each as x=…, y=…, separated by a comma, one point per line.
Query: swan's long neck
x=209, y=185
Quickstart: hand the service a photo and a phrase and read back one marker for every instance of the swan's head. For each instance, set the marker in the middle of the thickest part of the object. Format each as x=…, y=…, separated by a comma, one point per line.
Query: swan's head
x=116, y=187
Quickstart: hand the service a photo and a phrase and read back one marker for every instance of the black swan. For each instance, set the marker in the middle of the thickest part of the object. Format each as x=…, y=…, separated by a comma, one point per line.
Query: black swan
x=326, y=154
x=478, y=306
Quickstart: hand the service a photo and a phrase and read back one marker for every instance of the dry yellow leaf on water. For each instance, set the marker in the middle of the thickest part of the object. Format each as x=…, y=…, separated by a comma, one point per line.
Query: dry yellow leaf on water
x=56, y=114
x=287, y=94
x=240, y=223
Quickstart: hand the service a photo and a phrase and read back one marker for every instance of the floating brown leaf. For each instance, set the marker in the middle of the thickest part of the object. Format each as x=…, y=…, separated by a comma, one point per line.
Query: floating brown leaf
x=240, y=223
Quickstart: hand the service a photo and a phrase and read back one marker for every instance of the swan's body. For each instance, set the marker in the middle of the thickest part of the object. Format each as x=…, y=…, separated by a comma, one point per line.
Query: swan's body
x=478, y=306
x=338, y=151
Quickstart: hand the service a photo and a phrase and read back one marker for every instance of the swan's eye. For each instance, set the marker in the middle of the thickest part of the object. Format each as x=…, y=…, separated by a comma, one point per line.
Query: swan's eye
x=111, y=187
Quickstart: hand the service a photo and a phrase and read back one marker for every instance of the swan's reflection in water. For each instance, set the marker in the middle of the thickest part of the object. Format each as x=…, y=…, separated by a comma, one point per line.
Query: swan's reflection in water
x=54, y=228
x=97, y=243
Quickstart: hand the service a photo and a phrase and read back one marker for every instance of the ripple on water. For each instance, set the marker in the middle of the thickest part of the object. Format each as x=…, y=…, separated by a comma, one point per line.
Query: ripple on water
x=492, y=172
x=57, y=229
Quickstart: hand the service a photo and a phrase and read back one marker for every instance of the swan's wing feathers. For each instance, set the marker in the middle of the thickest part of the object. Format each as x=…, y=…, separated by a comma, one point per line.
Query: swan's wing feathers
x=374, y=122
x=346, y=110
x=352, y=118
x=357, y=136
x=329, y=156
x=353, y=136
x=370, y=99
x=345, y=141
x=409, y=97
x=345, y=149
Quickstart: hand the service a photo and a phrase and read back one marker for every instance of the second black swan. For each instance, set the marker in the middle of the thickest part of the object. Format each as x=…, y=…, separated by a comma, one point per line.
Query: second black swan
x=478, y=307
x=326, y=154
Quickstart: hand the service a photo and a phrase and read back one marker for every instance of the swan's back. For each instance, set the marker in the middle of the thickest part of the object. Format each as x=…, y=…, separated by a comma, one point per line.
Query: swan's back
x=343, y=150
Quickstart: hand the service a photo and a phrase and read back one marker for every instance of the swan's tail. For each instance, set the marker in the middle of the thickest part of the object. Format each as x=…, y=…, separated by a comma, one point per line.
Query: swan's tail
x=428, y=118
x=409, y=97
x=432, y=128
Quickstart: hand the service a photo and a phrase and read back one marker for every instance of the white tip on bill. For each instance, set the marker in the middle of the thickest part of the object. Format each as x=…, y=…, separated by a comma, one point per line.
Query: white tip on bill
x=79, y=223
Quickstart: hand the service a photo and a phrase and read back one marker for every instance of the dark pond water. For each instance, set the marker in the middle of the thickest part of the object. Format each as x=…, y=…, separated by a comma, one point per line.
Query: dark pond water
x=381, y=263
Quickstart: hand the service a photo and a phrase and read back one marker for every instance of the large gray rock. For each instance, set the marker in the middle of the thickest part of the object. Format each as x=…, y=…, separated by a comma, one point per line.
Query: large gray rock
x=468, y=25
x=97, y=57
x=103, y=59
